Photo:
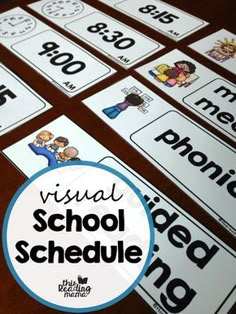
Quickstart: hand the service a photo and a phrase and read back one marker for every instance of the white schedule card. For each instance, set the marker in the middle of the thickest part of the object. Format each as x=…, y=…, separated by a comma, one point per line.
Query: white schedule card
x=176, y=265
x=18, y=102
x=219, y=47
x=195, y=160
x=63, y=63
x=160, y=16
x=120, y=43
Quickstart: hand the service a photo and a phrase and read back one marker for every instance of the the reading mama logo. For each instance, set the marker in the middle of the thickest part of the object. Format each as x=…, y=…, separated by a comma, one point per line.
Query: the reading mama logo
x=75, y=289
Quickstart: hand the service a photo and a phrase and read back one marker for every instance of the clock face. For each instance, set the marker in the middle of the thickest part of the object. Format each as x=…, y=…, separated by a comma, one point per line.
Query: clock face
x=16, y=25
x=63, y=8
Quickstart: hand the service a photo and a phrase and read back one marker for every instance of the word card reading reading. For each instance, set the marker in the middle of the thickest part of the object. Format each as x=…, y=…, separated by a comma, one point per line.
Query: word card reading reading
x=178, y=234
x=66, y=65
x=116, y=40
x=160, y=16
x=195, y=87
x=219, y=47
x=18, y=102
x=198, y=163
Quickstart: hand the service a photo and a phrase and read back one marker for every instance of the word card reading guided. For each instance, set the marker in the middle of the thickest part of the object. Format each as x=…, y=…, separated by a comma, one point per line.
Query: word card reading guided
x=197, y=88
x=63, y=63
x=18, y=102
x=160, y=16
x=197, y=162
x=116, y=40
x=219, y=47
x=180, y=236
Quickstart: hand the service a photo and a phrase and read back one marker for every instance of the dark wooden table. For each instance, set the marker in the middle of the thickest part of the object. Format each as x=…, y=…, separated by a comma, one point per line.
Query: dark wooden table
x=220, y=14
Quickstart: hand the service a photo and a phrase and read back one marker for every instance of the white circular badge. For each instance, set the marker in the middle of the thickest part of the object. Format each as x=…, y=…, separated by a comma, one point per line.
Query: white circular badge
x=78, y=237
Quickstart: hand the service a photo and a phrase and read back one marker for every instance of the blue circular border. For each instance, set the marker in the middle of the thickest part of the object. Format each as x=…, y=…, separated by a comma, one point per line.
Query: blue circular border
x=55, y=306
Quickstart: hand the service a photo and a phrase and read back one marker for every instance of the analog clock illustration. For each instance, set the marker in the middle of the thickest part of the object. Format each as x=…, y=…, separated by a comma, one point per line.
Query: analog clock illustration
x=16, y=25
x=62, y=8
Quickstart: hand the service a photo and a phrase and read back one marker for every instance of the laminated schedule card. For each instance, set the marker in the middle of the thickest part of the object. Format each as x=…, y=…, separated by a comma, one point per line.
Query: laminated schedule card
x=63, y=63
x=116, y=40
x=195, y=160
x=18, y=102
x=160, y=16
x=219, y=47
x=176, y=265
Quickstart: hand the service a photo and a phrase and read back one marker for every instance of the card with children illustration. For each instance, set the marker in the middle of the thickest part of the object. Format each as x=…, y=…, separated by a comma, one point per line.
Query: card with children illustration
x=63, y=141
x=197, y=88
x=18, y=102
x=219, y=47
x=190, y=156
x=59, y=141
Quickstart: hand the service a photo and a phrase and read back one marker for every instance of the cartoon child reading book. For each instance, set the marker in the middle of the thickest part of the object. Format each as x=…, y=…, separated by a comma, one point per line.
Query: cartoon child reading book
x=181, y=74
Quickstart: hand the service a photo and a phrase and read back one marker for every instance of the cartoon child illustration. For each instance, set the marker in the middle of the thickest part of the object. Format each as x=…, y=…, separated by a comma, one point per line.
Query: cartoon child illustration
x=130, y=100
x=51, y=151
x=223, y=50
x=59, y=142
x=181, y=74
x=69, y=153
x=42, y=138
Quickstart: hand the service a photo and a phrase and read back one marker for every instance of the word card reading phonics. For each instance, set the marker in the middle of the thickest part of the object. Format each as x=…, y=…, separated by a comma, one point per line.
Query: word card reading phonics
x=63, y=63
x=18, y=102
x=116, y=40
x=178, y=234
x=219, y=47
x=196, y=161
x=195, y=87
x=160, y=16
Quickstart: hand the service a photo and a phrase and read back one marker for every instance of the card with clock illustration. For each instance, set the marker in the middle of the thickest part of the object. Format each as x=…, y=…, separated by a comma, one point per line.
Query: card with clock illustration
x=116, y=40
x=63, y=63
x=197, y=88
x=219, y=47
x=18, y=102
x=160, y=16
x=180, y=235
x=191, y=157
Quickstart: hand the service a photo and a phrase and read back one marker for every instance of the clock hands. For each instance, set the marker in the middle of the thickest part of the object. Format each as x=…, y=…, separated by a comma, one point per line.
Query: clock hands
x=58, y=9
x=16, y=23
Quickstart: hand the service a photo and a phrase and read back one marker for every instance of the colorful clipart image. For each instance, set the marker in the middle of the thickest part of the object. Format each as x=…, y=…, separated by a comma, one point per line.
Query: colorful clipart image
x=133, y=98
x=55, y=151
x=181, y=74
x=223, y=50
